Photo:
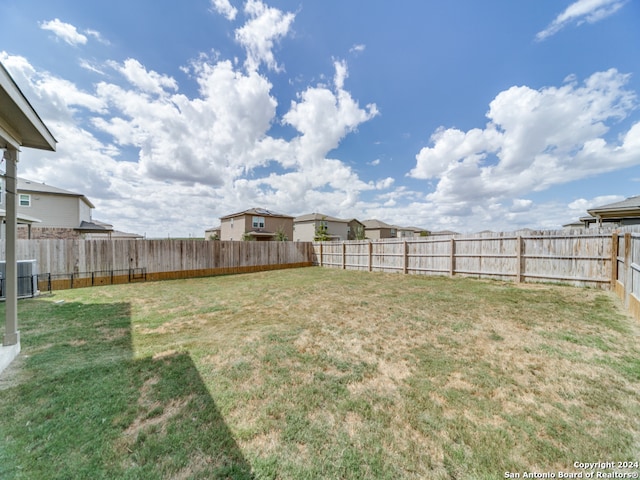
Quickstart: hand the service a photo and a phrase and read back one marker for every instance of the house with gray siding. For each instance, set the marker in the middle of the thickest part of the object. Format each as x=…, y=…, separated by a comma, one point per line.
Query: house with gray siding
x=305, y=227
x=52, y=212
x=611, y=215
x=618, y=214
x=377, y=229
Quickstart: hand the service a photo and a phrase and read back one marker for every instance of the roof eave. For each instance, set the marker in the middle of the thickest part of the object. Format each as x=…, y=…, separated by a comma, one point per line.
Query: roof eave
x=617, y=212
x=22, y=124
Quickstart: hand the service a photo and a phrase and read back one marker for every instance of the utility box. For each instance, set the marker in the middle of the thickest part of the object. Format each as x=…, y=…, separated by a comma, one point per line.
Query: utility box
x=27, y=279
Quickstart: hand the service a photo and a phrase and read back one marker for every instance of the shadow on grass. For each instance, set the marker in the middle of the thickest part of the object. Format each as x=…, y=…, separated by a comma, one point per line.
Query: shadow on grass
x=82, y=406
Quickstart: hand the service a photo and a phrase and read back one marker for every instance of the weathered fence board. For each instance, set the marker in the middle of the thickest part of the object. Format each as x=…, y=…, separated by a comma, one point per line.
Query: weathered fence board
x=601, y=259
x=626, y=273
x=158, y=258
x=581, y=259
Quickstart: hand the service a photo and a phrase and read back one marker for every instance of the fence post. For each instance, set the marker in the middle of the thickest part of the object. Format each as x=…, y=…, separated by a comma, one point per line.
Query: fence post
x=344, y=255
x=370, y=256
x=321, y=254
x=405, y=257
x=519, y=259
x=614, y=260
x=452, y=266
x=628, y=274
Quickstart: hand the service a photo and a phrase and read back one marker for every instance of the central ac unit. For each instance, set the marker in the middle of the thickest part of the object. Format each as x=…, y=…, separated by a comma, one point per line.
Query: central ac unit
x=27, y=279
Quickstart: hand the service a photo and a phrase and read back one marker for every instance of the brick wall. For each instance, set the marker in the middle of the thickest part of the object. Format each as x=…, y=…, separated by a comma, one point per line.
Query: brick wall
x=38, y=233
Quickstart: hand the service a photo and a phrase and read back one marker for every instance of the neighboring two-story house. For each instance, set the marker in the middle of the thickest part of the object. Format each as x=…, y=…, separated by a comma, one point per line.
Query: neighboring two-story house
x=377, y=229
x=255, y=224
x=261, y=224
x=356, y=230
x=307, y=228
x=45, y=211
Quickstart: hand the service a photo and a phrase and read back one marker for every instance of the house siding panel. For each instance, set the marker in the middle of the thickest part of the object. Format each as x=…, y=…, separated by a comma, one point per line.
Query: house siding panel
x=338, y=229
x=273, y=224
x=243, y=223
x=304, y=232
x=228, y=229
x=85, y=211
x=53, y=210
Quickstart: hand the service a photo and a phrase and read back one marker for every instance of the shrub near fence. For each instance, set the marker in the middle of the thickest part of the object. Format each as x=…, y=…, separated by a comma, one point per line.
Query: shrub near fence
x=581, y=258
x=76, y=263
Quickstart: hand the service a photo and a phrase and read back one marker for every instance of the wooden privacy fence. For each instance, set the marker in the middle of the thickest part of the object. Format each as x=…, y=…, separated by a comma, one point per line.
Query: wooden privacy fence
x=626, y=268
x=578, y=258
x=601, y=259
x=77, y=263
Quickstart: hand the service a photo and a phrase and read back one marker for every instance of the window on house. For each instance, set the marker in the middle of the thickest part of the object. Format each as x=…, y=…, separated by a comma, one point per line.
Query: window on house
x=258, y=222
x=232, y=223
x=25, y=200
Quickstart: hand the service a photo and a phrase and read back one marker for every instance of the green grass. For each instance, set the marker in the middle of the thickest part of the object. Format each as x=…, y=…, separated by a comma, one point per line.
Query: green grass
x=317, y=373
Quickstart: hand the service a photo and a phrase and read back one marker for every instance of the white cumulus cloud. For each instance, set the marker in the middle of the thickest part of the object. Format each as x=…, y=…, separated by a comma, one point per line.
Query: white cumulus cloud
x=534, y=139
x=581, y=11
x=265, y=27
x=147, y=81
x=225, y=8
x=144, y=152
x=64, y=31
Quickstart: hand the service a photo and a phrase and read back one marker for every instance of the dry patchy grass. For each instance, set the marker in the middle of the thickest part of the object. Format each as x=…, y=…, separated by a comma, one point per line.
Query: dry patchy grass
x=331, y=374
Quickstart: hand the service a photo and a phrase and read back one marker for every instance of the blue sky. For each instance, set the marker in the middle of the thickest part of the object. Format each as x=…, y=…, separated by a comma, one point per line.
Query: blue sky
x=460, y=115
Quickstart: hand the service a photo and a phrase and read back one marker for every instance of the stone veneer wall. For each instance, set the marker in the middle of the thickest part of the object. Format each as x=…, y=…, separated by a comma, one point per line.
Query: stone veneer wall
x=38, y=233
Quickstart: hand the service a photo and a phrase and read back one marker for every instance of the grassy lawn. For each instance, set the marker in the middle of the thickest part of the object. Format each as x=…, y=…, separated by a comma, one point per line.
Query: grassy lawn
x=317, y=373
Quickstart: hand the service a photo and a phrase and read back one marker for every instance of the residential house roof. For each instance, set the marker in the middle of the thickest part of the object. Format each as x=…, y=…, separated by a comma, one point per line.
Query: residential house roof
x=25, y=185
x=374, y=224
x=578, y=223
x=118, y=235
x=311, y=217
x=21, y=218
x=263, y=212
x=625, y=208
x=94, y=227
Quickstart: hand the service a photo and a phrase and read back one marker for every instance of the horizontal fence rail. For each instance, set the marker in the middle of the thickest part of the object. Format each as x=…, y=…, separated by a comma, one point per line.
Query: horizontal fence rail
x=581, y=259
x=83, y=263
x=592, y=258
x=626, y=268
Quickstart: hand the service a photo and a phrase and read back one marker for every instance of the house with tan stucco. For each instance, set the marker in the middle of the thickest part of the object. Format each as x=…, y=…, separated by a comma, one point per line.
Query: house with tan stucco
x=256, y=224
